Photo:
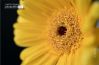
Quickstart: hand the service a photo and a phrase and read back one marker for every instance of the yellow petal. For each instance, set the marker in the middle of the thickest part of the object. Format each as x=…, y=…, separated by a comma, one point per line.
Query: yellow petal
x=31, y=50
x=83, y=6
x=89, y=40
x=87, y=56
x=52, y=60
x=70, y=59
x=90, y=20
x=37, y=61
x=35, y=56
x=40, y=60
x=84, y=56
x=48, y=59
x=26, y=39
x=40, y=9
x=76, y=57
x=62, y=60
x=33, y=8
x=28, y=33
x=96, y=32
x=97, y=56
x=94, y=11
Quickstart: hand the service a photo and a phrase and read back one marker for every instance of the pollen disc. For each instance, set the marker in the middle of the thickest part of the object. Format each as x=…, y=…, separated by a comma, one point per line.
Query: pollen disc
x=64, y=34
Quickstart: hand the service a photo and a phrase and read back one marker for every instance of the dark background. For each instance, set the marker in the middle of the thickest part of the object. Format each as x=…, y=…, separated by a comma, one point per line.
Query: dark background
x=10, y=52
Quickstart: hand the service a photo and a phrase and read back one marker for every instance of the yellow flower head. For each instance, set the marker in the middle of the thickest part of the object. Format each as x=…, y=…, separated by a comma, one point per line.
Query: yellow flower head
x=58, y=32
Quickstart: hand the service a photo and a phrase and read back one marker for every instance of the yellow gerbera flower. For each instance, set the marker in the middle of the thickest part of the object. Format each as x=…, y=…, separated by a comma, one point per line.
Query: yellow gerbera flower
x=58, y=32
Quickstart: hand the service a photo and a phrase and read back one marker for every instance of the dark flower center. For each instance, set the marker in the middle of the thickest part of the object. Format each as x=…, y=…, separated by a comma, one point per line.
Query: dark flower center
x=61, y=30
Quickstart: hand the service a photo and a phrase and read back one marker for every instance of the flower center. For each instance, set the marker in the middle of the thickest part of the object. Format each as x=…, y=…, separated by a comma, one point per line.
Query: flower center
x=61, y=30
x=64, y=34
